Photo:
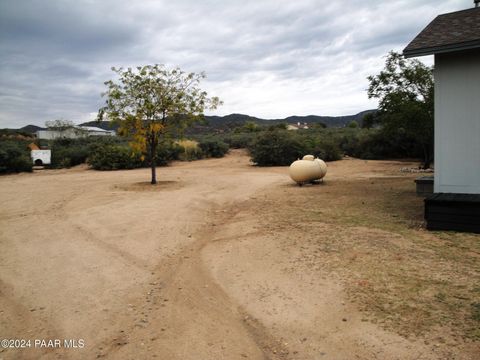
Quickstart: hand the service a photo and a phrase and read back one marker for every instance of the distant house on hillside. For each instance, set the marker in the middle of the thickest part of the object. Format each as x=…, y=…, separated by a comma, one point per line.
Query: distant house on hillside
x=74, y=132
x=454, y=40
x=299, y=125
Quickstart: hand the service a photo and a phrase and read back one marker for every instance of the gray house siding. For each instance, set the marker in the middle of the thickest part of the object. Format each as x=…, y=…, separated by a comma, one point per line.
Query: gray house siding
x=457, y=123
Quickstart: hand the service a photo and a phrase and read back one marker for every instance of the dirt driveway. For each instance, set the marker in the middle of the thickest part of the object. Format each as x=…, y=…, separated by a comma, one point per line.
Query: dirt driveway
x=189, y=269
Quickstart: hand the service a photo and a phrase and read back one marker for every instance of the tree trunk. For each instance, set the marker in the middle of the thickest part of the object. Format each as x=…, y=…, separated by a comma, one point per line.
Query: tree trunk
x=153, y=162
x=154, y=173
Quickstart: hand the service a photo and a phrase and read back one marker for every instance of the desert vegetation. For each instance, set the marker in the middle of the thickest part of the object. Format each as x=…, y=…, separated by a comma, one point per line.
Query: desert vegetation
x=14, y=155
x=268, y=146
x=159, y=114
x=273, y=145
x=103, y=153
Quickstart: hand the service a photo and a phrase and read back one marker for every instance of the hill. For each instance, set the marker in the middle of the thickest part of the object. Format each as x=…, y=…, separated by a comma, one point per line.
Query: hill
x=31, y=129
x=223, y=123
x=330, y=121
x=234, y=120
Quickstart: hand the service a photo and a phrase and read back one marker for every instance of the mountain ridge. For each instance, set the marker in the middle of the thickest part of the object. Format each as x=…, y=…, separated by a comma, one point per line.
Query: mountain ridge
x=235, y=119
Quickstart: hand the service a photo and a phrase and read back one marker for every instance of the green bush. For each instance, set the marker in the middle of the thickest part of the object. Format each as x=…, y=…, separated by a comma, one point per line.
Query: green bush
x=168, y=151
x=240, y=141
x=114, y=157
x=278, y=126
x=326, y=150
x=361, y=143
x=213, y=148
x=65, y=157
x=247, y=127
x=14, y=156
x=353, y=124
x=71, y=152
x=375, y=144
x=277, y=148
x=350, y=144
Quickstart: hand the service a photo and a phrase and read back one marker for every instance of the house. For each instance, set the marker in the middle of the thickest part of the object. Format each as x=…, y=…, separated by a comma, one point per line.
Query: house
x=299, y=125
x=96, y=131
x=73, y=132
x=454, y=40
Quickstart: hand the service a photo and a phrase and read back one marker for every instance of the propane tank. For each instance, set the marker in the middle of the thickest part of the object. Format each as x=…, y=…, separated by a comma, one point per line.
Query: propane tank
x=307, y=170
x=323, y=165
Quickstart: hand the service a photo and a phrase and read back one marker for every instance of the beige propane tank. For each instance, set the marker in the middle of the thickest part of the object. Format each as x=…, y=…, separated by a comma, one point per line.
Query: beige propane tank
x=308, y=157
x=323, y=165
x=303, y=171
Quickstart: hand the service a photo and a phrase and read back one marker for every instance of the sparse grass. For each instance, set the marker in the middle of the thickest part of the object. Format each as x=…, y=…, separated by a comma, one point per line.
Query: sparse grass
x=370, y=233
x=190, y=150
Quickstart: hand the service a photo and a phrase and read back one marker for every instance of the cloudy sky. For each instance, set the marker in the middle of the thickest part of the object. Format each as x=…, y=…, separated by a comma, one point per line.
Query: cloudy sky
x=266, y=58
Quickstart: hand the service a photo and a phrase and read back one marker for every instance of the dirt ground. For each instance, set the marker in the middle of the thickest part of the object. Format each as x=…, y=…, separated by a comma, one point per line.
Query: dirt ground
x=223, y=260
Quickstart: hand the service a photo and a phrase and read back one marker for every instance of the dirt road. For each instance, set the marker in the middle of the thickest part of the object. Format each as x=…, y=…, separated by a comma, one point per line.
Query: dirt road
x=183, y=270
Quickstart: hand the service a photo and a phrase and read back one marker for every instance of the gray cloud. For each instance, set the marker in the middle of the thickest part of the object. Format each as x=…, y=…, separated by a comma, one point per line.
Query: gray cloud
x=266, y=58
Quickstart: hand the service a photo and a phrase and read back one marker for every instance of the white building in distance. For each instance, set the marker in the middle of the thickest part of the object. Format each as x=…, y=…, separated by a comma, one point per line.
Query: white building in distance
x=74, y=132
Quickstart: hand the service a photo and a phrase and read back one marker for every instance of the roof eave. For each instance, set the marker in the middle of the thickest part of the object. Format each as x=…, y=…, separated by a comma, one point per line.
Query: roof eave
x=441, y=49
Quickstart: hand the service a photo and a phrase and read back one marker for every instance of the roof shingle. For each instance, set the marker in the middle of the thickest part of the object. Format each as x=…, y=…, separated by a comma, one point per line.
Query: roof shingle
x=455, y=31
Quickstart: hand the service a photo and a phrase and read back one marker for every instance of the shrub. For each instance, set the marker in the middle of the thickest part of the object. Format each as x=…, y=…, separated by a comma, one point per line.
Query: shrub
x=240, y=141
x=64, y=157
x=71, y=152
x=14, y=156
x=276, y=148
x=248, y=126
x=326, y=150
x=353, y=124
x=168, y=151
x=213, y=148
x=376, y=144
x=350, y=144
x=190, y=150
x=278, y=126
x=114, y=157
x=21, y=163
